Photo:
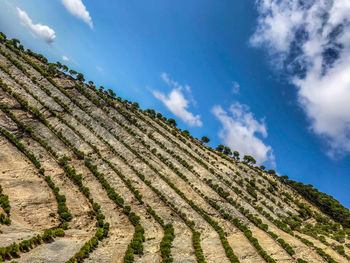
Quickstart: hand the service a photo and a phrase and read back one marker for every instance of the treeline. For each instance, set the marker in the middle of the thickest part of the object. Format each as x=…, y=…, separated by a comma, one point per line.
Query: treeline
x=326, y=203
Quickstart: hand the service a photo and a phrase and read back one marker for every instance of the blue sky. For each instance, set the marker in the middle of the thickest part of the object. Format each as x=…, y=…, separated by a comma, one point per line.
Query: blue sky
x=263, y=77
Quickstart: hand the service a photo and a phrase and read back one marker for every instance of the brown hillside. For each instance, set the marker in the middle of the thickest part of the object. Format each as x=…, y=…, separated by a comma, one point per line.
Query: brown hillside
x=93, y=178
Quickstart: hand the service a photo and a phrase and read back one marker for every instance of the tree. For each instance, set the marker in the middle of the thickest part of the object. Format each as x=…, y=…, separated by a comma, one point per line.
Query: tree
x=220, y=148
x=72, y=72
x=227, y=151
x=271, y=171
x=159, y=116
x=91, y=83
x=111, y=93
x=205, y=139
x=2, y=36
x=80, y=77
x=284, y=179
x=186, y=132
x=249, y=159
x=64, y=68
x=172, y=122
x=52, y=69
x=262, y=168
x=236, y=155
x=151, y=113
x=135, y=106
x=15, y=42
x=59, y=65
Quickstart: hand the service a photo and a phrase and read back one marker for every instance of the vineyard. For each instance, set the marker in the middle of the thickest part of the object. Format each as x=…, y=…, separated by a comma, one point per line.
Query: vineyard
x=86, y=176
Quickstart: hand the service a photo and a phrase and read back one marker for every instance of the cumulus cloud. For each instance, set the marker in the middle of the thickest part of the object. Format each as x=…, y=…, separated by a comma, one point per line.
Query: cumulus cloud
x=235, y=87
x=176, y=102
x=311, y=40
x=78, y=9
x=240, y=132
x=40, y=30
x=64, y=58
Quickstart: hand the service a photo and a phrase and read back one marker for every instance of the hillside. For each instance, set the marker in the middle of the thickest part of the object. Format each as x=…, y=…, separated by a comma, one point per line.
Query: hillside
x=86, y=176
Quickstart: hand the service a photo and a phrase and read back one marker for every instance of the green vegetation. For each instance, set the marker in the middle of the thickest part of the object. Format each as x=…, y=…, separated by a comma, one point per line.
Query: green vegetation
x=323, y=254
x=5, y=205
x=113, y=195
x=184, y=163
x=325, y=202
x=257, y=221
x=49, y=234
x=166, y=242
x=287, y=247
x=13, y=250
x=154, y=153
x=63, y=212
x=237, y=185
x=197, y=247
x=103, y=228
x=220, y=148
x=205, y=139
x=249, y=160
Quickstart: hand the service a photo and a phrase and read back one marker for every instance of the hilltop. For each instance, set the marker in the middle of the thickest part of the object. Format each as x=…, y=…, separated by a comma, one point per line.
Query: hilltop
x=88, y=176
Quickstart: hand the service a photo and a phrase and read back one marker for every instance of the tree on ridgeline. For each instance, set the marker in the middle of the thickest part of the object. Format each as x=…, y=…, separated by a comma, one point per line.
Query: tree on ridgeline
x=80, y=77
x=249, y=159
x=15, y=42
x=151, y=113
x=135, y=106
x=227, y=151
x=205, y=139
x=72, y=72
x=220, y=148
x=111, y=93
x=236, y=155
x=186, y=132
x=64, y=68
x=52, y=70
x=2, y=36
x=271, y=171
x=172, y=122
x=59, y=65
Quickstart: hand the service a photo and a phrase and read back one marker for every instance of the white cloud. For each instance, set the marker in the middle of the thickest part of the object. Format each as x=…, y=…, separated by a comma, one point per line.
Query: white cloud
x=311, y=39
x=239, y=131
x=64, y=58
x=165, y=77
x=235, y=87
x=40, y=30
x=78, y=9
x=99, y=69
x=176, y=102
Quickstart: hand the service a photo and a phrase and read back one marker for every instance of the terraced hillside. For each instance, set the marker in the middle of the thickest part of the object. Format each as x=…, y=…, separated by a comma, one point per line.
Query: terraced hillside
x=89, y=177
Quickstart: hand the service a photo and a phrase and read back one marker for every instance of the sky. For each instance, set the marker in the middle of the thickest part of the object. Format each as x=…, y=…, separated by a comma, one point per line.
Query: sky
x=267, y=78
